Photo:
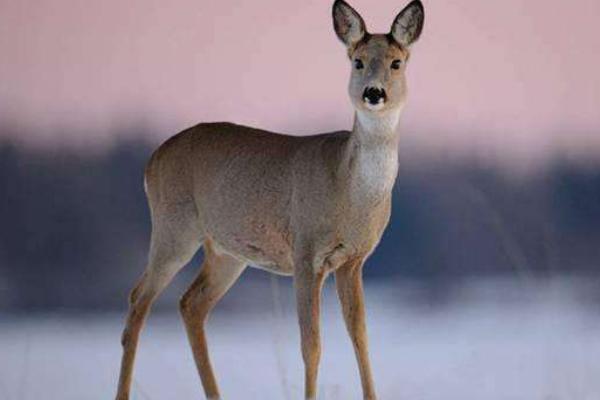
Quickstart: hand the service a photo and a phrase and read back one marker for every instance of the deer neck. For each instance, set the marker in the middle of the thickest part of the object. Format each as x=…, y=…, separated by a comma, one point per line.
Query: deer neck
x=372, y=155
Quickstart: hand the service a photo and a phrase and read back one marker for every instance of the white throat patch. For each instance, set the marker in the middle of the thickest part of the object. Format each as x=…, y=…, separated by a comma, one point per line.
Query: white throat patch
x=377, y=160
x=380, y=123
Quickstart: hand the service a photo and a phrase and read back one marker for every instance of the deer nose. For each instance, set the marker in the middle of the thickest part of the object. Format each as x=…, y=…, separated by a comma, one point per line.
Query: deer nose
x=374, y=95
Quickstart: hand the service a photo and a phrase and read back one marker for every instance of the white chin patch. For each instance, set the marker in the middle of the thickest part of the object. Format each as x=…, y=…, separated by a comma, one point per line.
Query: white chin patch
x=375, y=107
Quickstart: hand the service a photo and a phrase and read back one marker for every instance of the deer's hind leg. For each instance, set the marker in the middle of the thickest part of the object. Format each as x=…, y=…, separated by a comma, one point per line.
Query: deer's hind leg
x=172, y=245
x=217, y=275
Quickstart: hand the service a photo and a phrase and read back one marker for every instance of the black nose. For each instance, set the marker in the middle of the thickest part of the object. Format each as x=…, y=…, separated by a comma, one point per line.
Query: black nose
x=373, y=95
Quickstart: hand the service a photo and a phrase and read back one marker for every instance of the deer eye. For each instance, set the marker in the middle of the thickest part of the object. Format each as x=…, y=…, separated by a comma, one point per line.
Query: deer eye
x=396, y=64
x=358, y=64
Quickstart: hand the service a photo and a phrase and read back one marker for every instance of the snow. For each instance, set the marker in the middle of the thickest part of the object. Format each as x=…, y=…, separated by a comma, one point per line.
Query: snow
x=488, y=345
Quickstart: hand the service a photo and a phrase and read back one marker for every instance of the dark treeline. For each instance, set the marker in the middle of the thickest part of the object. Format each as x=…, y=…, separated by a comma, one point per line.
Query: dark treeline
x=74, y=227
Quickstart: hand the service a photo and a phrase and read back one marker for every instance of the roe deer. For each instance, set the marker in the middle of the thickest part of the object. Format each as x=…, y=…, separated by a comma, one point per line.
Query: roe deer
x=297, y=206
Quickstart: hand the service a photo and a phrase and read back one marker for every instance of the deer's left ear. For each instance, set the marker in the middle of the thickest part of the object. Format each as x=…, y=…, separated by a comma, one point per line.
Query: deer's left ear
x=408, y=24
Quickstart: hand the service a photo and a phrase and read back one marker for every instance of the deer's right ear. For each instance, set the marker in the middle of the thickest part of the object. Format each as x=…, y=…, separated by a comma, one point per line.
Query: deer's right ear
x=349, y=25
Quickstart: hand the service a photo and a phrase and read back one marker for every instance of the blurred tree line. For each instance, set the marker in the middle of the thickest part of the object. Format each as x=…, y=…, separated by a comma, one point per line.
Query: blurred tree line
x=74, y=227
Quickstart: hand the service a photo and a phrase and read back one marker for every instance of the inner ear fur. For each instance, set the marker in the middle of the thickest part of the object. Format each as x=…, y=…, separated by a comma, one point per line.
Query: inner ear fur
x=348, y=24
x=408, y=24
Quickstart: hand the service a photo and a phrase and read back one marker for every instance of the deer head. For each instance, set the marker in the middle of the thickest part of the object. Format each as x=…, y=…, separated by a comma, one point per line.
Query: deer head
x=378, y=61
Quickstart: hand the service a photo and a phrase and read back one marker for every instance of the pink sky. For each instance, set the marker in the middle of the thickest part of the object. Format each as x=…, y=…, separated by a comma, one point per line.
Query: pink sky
x=516, y=78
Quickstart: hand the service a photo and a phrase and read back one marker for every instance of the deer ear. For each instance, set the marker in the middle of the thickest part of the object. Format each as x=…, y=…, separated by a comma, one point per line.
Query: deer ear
x=349, y=25
x=408, y=24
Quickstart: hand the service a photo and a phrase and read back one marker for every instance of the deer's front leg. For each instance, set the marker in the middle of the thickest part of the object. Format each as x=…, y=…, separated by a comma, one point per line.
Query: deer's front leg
x=308, y=283
x=348, y=280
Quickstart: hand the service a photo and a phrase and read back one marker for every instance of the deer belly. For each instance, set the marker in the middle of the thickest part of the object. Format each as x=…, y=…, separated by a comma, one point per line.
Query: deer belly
x=262, y=248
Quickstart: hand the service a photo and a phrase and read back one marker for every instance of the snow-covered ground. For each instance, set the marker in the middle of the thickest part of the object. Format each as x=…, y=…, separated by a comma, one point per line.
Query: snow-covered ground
x=487, y=344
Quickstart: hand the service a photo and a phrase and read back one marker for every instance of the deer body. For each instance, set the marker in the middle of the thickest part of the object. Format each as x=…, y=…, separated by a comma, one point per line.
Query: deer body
x=297, y=206
x=332, y=190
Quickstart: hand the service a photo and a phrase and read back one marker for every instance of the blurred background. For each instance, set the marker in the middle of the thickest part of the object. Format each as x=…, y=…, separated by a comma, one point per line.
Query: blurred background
x=485, y=285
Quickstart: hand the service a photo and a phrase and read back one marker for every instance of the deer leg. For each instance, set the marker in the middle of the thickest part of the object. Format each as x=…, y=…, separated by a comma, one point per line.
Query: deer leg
x=308, y=284
x=350, y=292
x=167, y=256
x=217, y=275
x=141, y=299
